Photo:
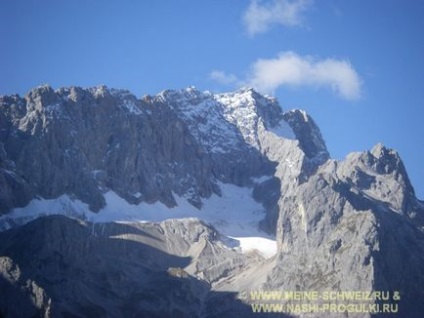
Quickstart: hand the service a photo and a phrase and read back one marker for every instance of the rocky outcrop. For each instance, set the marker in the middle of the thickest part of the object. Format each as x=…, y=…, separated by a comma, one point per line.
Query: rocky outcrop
x=347, y=228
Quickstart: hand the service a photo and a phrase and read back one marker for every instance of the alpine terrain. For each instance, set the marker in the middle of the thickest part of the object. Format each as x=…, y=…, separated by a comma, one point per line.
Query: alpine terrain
x=194, y=204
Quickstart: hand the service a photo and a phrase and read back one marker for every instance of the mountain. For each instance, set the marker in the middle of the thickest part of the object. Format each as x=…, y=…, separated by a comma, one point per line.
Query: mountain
x=188, y=203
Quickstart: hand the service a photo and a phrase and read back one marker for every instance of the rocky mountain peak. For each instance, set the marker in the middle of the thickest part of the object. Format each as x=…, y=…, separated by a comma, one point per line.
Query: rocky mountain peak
x=41, y=96
x=308, y=134
x=183, y=98
x=265, y=107
x=387, y=160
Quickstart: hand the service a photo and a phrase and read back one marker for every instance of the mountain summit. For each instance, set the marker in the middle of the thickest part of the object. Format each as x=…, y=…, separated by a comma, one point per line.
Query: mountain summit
x=183, y=203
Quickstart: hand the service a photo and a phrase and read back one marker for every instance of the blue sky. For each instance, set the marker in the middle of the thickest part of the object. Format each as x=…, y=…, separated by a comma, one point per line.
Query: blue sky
x=356, y=66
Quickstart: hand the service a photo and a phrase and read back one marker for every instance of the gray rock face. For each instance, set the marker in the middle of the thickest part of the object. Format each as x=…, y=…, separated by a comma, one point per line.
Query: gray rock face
x=351, y=225
x=310, y=139
x=347, y=229
x=83, y=142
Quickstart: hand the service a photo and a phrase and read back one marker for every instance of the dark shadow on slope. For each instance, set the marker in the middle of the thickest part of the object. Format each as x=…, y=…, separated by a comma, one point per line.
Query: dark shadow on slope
x=15, y=294
x=105, y=229
x=399, y=263
x=359, y=201
x=268, y=193
x=61, y=269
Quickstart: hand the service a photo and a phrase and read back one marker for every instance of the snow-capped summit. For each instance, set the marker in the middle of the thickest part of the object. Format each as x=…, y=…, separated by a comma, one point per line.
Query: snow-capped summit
x=222, y=118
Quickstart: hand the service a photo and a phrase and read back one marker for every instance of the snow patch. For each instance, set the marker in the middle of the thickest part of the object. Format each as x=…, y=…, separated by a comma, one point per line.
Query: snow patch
x=204, y=117
x=137, y=195
x=265, y=246
x=131, y=106
x=39, y=207
x=262, y=179
x=240, y=110
x=235, y=214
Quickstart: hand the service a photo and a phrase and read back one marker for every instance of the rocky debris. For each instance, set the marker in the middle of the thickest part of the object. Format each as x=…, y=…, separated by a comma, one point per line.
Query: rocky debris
x=57, y=267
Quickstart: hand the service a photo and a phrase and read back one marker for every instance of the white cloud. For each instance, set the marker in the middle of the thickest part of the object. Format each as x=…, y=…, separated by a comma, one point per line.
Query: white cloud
x=223, y=78
x=290, y=69
x=260, y=15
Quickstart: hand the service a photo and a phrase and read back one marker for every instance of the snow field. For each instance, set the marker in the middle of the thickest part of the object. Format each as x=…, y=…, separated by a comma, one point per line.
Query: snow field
x=235, y=214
